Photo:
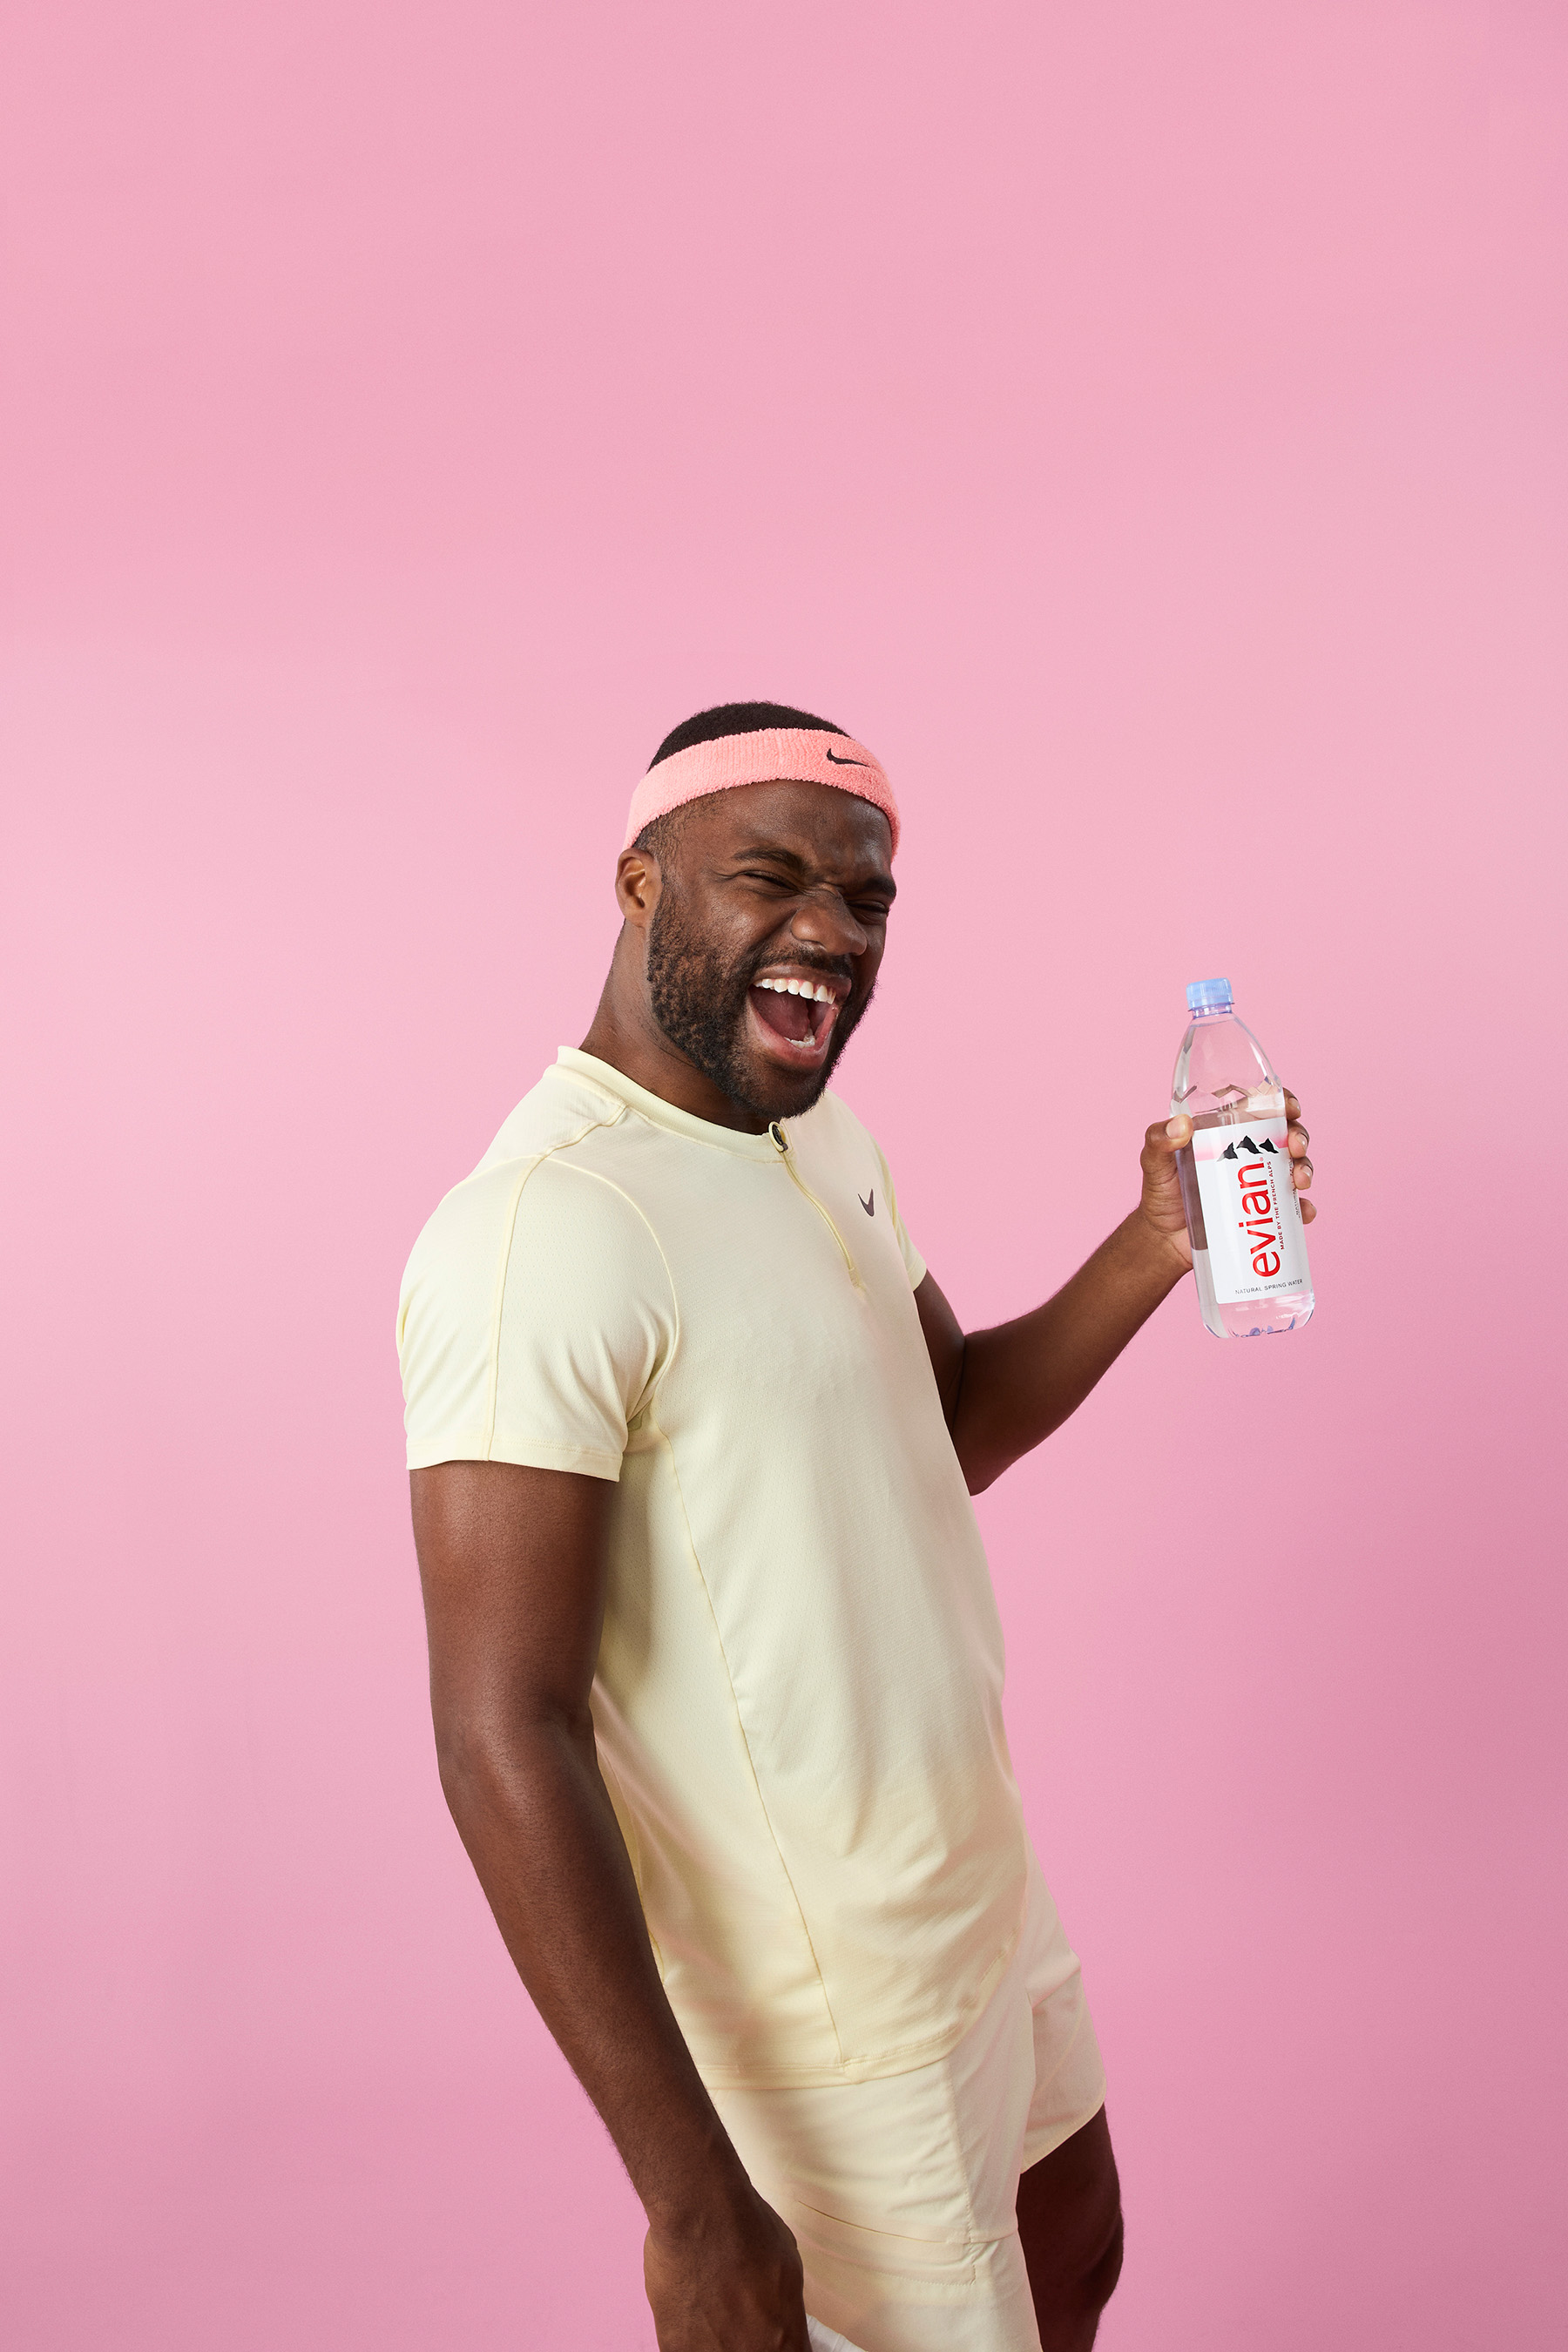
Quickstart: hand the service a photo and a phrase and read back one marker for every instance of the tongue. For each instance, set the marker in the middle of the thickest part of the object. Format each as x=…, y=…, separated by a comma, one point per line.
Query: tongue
x=790, y=1015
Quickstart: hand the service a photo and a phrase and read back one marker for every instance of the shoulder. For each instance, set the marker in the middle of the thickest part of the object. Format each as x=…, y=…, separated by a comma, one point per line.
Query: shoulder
x=564, y=1109
x=536, y=1308
x=545, y=1181
x=550, y=1210
x=830, y=1130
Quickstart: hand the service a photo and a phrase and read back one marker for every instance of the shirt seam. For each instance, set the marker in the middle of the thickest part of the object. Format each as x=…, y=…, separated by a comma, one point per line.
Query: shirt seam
x=598, y=1176
x=492, y=1386
x=746, y=1746
x=531, y=1167
x=901, y=1234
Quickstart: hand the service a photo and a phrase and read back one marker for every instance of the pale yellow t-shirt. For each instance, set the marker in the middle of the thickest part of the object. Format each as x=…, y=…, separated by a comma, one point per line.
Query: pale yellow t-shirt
x=798, y=1701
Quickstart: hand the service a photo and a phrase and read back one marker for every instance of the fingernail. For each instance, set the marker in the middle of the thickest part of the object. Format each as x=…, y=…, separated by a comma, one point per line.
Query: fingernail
x=1174, y=1126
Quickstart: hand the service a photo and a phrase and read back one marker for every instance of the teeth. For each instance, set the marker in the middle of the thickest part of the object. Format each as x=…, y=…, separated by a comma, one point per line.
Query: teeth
x=817, y=992
x=824, y=995
x=793, y=986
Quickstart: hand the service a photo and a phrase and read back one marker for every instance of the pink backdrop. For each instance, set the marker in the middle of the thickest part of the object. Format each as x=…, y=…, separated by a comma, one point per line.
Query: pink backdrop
x=1144, y=425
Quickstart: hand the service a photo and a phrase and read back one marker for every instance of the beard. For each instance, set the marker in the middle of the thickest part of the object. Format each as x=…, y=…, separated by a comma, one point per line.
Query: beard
x=699, y=1002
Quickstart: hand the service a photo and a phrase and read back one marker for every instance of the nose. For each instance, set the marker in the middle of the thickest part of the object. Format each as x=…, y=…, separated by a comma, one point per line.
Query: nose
x=823, y=921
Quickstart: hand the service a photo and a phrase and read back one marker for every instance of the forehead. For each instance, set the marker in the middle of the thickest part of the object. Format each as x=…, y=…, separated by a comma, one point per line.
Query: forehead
x=816, y=826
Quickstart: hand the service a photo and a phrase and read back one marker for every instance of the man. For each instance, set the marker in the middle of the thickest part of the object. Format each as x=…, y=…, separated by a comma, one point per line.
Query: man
x=715, y=1665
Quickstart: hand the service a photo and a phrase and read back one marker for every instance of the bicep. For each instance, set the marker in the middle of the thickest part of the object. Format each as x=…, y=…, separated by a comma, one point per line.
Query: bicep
x=513, y=1561
x=943, y=1335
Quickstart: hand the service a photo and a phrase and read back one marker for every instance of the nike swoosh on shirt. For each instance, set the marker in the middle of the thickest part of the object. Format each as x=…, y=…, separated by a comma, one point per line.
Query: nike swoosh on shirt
x=869, y=1202
x=847, y=763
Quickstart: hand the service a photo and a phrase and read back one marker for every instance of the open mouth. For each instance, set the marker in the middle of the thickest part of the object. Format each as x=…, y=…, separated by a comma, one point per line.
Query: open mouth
x=794, y=1014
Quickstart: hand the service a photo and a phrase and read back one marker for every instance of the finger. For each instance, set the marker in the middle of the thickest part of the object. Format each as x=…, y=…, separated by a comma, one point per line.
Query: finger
x=1308, y=1212
x=1300, y=1174
x=1298, y=1139
x=1292, y=1107
x=1172, y=1134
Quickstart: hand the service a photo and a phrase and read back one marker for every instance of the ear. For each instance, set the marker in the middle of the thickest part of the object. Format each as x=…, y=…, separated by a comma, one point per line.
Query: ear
x=638, y=885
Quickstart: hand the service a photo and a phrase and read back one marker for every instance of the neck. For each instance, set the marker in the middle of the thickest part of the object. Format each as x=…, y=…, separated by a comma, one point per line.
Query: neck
x=625, y=1033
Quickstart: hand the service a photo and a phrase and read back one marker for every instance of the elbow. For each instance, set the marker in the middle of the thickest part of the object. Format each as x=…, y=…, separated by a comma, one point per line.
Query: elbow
x=476, y=1752
x=983, y=1463
x=482, y=1753
x=466, y=1762
x=979, y=1472
x=982, y=1457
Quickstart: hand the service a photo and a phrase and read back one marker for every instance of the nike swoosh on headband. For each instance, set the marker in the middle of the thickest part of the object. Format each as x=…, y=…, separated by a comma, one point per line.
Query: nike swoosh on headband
x=766, y=755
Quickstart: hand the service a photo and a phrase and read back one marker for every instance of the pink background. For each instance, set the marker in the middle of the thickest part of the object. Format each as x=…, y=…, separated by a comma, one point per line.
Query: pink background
x=1144, y=425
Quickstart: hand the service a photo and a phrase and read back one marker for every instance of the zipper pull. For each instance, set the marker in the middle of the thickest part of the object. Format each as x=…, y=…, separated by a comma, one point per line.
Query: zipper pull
x=780, y=1143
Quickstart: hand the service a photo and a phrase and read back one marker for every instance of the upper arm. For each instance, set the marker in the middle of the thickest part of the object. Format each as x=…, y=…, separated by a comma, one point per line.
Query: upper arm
x=537, y=1316
x=513, y=1562
x=943, y=1335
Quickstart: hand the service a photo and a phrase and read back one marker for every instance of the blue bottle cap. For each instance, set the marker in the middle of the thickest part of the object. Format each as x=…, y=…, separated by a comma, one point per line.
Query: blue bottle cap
x=1208, y=996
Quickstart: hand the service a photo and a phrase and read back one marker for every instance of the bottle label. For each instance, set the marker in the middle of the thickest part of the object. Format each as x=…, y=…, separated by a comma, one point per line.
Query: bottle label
x=1252, y=1217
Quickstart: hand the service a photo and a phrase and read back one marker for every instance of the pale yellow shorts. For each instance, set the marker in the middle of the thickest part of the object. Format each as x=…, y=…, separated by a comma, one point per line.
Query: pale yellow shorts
x=900, y=2192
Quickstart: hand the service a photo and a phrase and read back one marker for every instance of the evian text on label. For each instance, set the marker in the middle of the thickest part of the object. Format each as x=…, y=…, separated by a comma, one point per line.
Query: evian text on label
x=1251, y=1215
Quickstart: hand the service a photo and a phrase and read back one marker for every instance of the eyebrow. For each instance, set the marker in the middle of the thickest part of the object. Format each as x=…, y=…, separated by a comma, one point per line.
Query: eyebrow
x=877, y=881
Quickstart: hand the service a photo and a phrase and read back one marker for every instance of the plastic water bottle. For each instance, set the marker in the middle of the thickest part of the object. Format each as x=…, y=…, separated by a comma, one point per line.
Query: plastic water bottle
x=1244, y=1216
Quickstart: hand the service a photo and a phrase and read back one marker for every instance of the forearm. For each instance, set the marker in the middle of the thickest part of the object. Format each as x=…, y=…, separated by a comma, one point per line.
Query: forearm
x=1022, y=1379
x=535, y=1814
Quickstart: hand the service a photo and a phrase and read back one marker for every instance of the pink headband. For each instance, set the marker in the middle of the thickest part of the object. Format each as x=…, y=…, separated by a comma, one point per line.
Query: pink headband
x=770, y=756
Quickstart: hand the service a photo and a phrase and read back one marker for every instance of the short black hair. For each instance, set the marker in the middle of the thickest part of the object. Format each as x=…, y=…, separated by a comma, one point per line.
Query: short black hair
x=736, y=719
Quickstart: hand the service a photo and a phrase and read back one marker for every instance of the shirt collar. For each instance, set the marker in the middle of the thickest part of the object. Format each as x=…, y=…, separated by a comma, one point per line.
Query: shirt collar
x=611, y=1081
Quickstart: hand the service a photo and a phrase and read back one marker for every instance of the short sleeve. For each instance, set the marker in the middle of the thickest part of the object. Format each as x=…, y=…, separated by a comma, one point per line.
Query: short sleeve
x=914, y=1264
x=536, y=1315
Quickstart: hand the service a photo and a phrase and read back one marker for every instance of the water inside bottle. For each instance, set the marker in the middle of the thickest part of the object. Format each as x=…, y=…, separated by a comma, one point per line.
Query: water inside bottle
x=1223, y=1079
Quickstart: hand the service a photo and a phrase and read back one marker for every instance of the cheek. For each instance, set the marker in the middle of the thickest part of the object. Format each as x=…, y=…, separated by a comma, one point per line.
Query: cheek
x=747, y=940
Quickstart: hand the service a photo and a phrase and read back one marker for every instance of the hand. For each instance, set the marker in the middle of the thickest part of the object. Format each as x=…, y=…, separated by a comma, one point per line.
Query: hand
x=727, y=2284
x=1161, y=1201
